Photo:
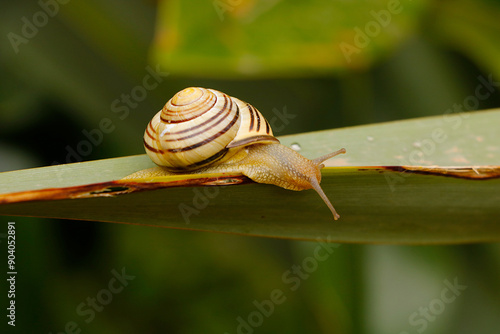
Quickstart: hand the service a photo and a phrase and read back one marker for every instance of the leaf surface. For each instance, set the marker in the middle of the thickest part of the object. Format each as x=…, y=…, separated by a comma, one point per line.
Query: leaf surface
x=419, y=181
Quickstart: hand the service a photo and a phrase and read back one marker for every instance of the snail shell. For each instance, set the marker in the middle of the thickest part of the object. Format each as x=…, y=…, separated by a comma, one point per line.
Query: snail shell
x=199, y=126
x=202, y=130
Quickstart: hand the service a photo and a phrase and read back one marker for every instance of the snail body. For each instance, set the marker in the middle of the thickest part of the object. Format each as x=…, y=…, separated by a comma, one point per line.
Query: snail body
x=206, y=131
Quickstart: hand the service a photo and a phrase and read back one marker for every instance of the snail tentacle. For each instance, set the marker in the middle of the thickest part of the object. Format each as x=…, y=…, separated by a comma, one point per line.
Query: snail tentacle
x=280, y=165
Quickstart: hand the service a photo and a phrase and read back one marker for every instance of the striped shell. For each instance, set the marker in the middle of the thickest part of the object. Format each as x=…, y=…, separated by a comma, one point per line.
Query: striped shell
x=200, y=126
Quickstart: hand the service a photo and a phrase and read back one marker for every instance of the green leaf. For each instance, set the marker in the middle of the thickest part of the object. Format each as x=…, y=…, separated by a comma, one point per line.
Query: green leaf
x=427, y=180
x=270, y=38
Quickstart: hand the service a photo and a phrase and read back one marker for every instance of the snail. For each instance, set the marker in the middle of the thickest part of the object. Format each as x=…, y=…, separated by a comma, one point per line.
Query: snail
x=202, y=130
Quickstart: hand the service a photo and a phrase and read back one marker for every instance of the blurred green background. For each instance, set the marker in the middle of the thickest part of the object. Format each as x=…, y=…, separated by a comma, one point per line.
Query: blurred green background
x=68, y=65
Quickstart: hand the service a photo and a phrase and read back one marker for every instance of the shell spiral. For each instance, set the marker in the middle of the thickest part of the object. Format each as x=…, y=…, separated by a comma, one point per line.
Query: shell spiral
x=198, y=127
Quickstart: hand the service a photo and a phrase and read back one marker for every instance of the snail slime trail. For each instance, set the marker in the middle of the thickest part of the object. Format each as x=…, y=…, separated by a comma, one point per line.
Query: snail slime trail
x=203, y=130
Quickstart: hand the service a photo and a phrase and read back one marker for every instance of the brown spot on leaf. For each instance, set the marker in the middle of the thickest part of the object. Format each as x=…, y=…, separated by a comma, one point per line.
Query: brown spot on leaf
x=472, y=172
x=115, y=188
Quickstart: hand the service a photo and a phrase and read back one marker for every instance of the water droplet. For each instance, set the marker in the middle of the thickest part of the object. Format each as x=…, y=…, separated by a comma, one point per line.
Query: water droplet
x=370, y=138
x=295, y=147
